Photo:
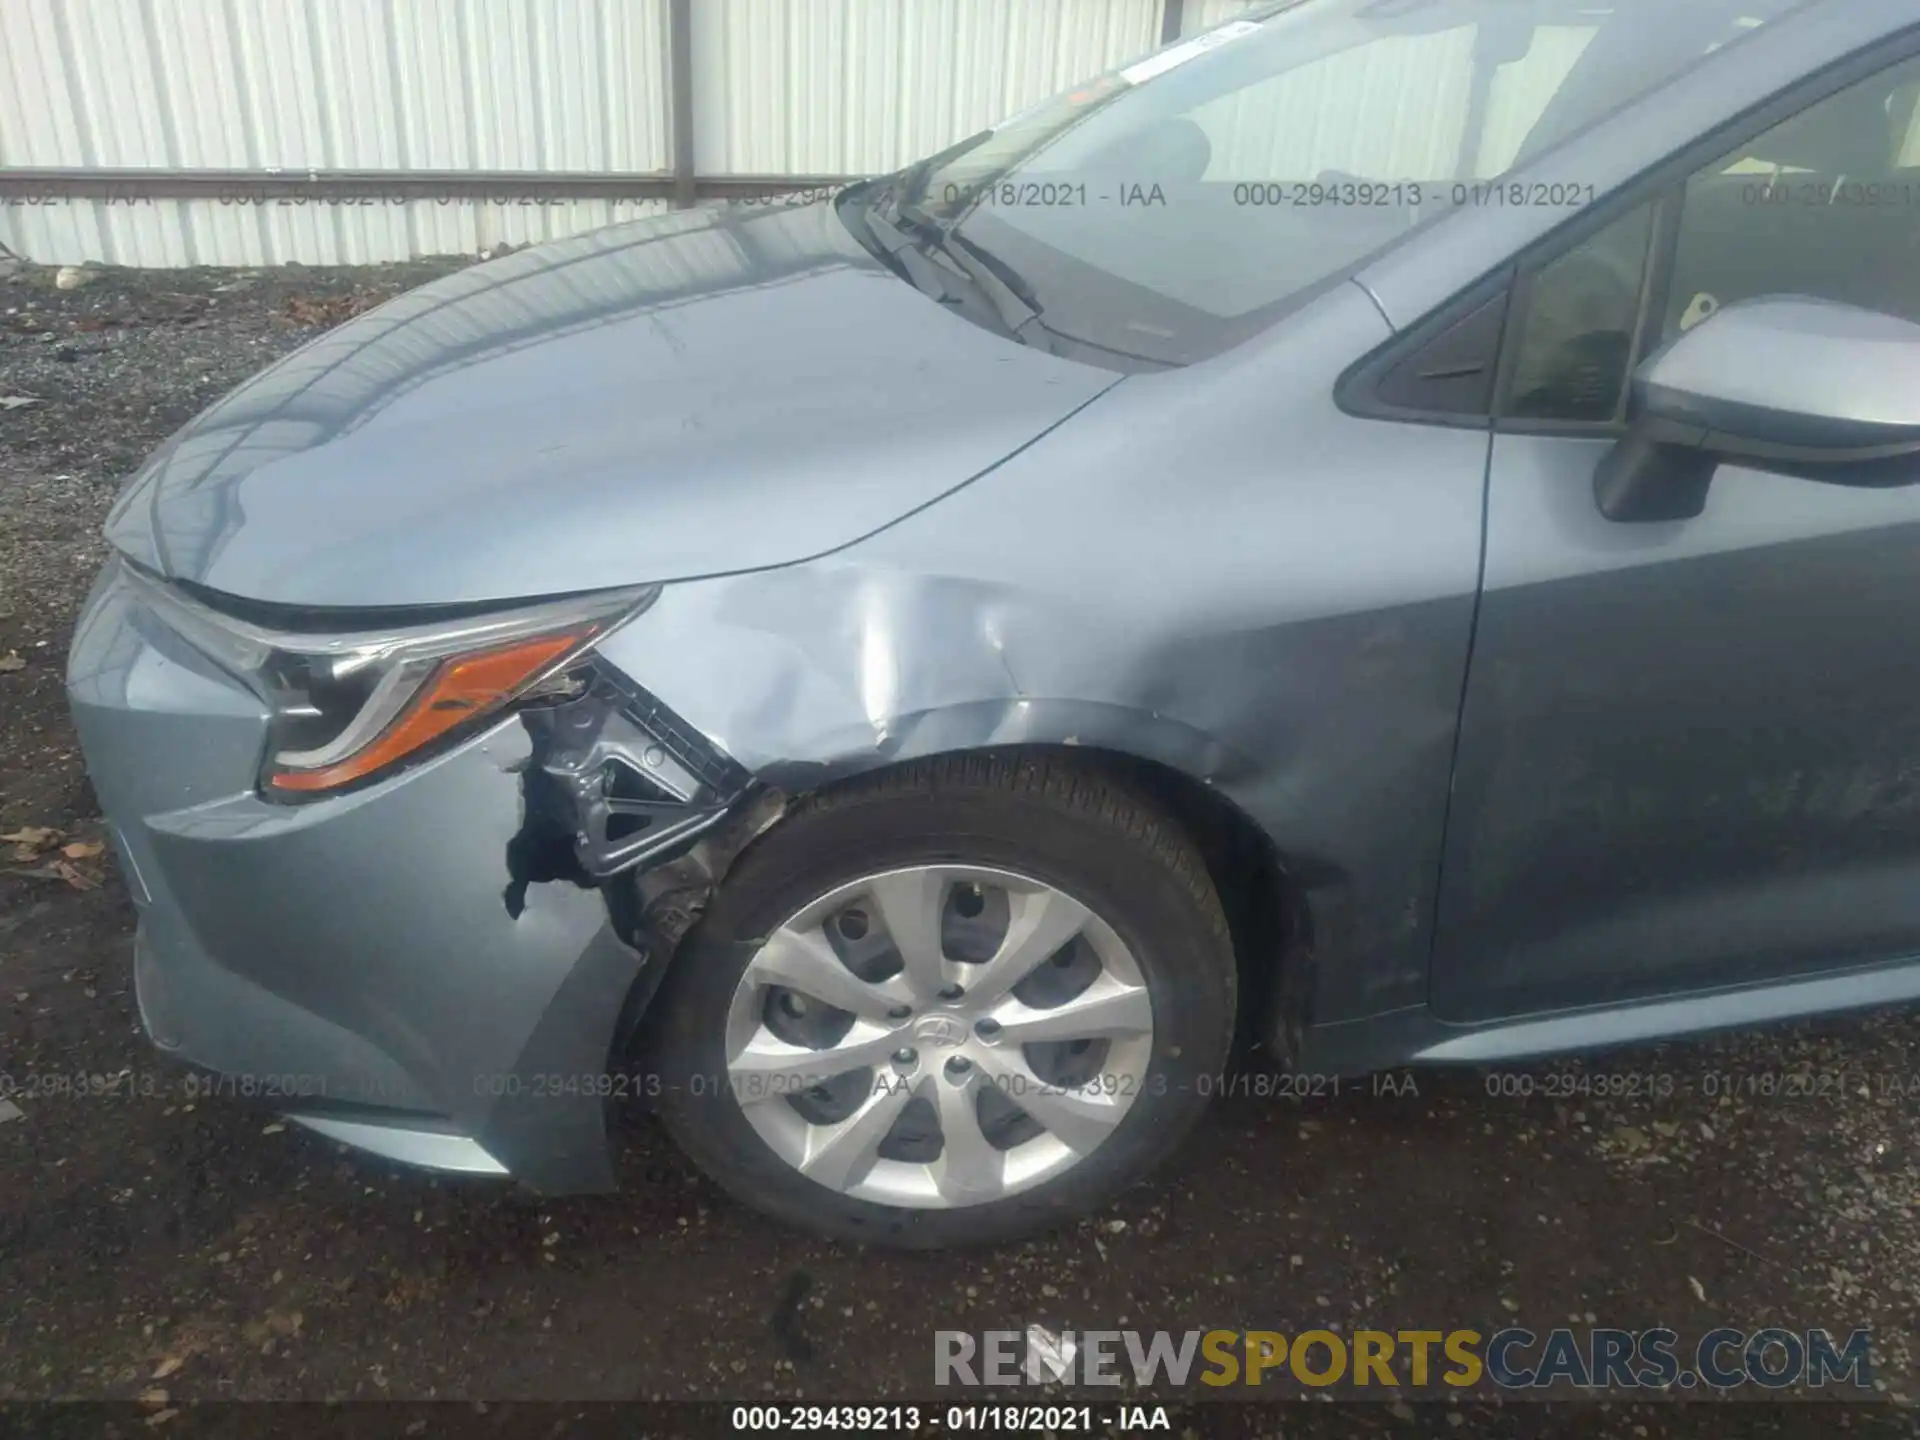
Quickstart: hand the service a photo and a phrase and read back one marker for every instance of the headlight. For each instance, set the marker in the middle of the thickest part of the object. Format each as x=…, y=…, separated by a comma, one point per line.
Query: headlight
x=348, y=708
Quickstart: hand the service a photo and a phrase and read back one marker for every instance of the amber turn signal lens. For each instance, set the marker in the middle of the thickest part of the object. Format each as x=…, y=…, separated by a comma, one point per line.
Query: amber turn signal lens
x=458, y=690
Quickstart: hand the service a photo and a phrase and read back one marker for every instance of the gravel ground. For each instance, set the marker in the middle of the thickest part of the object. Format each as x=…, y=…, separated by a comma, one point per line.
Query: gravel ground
x=149, y=1244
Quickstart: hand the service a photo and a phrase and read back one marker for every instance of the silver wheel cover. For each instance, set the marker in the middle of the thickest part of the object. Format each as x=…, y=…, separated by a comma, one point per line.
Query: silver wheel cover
x=867, y=1030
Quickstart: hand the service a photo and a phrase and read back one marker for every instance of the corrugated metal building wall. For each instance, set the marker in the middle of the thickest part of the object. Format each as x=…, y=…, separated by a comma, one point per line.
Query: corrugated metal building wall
x=823, y=87
x=138, y=131
x=297, y=85
x=491, y=88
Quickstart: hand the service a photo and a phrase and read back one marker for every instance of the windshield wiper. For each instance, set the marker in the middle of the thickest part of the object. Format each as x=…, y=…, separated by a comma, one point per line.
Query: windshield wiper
x=1010, y=296
x=997, y=282
x=1003, y=274
x=951, y=265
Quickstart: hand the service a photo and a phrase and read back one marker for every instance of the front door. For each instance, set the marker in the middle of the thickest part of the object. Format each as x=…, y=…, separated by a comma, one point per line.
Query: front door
x=1690, y=751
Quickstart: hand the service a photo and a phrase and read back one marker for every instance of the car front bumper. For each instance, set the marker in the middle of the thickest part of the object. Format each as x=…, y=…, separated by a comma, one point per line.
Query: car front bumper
x=387, y=966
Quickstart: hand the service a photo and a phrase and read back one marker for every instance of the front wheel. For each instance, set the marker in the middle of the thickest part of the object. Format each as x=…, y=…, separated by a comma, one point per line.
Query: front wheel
x=954, y=1003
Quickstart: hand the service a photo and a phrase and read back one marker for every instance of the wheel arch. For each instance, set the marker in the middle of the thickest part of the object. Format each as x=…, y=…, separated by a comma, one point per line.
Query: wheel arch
x=1265, y=905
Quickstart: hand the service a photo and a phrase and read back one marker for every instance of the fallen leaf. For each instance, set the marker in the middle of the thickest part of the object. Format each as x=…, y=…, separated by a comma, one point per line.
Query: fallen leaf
x=12, y=661
x=329, y=309
x=30, y=840
x=1699, y=1290
x=19, y=402
x=286, y=1322
x=74, y=876
x=153, y=1397
x=167, y=1366
x=82, y=849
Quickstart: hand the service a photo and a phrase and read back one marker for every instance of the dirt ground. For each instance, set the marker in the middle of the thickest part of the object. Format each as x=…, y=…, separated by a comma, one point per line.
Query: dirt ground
x=152, y=1246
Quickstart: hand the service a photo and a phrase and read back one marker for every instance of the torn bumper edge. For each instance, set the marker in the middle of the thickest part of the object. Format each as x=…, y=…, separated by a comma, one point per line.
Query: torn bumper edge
x=432, y=956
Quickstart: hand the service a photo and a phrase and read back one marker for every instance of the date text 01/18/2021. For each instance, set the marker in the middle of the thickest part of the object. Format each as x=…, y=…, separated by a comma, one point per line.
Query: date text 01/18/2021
x=176, y=1085
x=1277, y=194
x=955, y=1419
x=1257, y=1085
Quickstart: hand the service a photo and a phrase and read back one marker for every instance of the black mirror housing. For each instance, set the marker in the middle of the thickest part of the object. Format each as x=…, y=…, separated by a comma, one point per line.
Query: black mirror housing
x=1644, y=480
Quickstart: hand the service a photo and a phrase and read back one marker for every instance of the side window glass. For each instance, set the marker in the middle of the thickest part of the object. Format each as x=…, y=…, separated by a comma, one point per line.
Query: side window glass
x=1581, y=312
x=1825, y=204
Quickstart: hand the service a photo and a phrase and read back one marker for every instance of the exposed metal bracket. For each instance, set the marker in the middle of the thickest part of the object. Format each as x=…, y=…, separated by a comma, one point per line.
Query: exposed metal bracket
x=637, y=781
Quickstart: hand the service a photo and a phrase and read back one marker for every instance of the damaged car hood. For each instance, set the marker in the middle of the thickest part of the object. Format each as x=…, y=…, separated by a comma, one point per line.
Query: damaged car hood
x=676, y=397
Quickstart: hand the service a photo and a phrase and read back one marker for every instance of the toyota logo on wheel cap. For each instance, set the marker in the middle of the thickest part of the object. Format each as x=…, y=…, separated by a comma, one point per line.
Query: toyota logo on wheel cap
x=941, y=1030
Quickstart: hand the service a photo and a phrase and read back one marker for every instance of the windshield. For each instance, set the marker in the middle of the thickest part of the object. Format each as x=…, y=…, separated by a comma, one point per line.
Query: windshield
x=1167, y=209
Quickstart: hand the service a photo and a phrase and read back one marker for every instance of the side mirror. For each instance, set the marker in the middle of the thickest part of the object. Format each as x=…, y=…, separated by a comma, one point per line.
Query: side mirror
x=1812, y=388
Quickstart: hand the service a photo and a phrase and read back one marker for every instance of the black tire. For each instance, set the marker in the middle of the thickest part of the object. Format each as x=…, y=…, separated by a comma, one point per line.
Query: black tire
x=1055, y=820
